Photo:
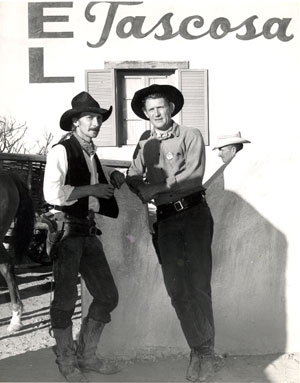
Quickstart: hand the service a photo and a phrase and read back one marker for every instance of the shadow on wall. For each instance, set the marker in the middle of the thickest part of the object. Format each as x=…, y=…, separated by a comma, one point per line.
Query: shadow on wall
x=248, y=276
x=248, y=282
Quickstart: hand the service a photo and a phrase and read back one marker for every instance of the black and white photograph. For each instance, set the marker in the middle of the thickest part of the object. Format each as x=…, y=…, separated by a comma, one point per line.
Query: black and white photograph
x=149, y=196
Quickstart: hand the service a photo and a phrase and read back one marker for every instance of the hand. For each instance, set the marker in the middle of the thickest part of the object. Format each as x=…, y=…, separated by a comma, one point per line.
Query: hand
x=103, y=190
x=117, y=179
x=146, y=192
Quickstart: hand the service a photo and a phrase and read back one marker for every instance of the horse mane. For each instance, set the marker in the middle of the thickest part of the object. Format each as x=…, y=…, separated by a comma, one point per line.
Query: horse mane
x=24, y=219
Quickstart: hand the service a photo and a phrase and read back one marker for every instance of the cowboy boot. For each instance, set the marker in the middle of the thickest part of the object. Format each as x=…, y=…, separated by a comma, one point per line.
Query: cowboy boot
x=86, y=352
x=66, y=358
x=194, y=367
x=206, y=367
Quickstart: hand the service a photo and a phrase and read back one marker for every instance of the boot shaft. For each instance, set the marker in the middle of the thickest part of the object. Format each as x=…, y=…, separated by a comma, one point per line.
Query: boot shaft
x=66, y=355
x=65, y=349
x=89, y=337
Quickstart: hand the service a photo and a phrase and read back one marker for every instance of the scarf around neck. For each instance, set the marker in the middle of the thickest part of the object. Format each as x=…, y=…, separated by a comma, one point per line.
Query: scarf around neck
x=88, y=147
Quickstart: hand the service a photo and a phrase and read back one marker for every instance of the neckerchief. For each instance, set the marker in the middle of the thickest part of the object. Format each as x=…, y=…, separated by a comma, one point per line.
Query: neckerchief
x=163, y=135
x=88, y=147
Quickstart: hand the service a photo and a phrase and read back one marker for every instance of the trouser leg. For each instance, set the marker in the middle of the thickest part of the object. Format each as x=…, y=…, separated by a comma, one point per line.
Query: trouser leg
x=186, y=278
x=65, y=271
x=198, y=239
x=185, y=248
x=99, y=281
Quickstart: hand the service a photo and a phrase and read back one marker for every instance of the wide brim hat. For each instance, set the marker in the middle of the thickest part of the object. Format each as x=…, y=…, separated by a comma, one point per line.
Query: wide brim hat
x=230, y=140
x=170, y=92
x=82, y=102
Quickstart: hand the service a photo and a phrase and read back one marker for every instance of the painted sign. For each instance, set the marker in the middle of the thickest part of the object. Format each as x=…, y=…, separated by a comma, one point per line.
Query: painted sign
x=133, y=26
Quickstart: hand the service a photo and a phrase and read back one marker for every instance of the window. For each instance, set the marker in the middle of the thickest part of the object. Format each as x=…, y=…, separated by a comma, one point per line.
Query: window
x=117, y=84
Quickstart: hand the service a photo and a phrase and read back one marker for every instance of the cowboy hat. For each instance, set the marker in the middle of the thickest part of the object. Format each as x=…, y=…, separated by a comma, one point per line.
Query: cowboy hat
x=230, y=140
x=83, y=102
x=169, y=91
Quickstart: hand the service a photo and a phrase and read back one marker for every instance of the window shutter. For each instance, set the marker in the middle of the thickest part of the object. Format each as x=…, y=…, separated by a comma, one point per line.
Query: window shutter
x=101, y=85
x=193, y=85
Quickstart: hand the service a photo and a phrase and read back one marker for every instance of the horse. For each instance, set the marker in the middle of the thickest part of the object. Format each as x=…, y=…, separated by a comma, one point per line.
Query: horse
x=17, y=214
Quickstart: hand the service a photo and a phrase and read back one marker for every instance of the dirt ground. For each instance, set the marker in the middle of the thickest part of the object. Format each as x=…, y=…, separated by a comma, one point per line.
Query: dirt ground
x=27, y=355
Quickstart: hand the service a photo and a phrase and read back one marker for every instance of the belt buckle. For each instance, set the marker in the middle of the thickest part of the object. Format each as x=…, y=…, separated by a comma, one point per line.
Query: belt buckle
x=178, y=206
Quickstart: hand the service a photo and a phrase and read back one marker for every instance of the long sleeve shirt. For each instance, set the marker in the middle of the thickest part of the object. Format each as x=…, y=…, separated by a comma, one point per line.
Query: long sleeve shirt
x=177, y=160
x=55, y=190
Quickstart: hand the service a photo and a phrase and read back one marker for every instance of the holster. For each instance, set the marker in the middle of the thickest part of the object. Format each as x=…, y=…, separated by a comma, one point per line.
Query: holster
x=55, y=232
x=62, y=225
x=73, y=229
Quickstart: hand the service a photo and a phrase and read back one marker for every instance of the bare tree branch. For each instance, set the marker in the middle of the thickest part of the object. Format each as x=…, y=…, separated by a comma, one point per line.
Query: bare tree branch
x=12, y=140
x=43, y=147
x=12, y=135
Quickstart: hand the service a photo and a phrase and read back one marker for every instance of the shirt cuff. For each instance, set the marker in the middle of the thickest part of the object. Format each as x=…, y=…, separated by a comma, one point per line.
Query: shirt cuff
x=67, y=192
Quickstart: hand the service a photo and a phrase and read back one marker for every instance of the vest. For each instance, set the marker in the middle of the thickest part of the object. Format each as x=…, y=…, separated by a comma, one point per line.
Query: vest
x=78, y=175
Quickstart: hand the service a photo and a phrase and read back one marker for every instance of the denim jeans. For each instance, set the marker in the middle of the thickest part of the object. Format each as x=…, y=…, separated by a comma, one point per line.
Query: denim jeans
x=184, y=241
x=82, y=255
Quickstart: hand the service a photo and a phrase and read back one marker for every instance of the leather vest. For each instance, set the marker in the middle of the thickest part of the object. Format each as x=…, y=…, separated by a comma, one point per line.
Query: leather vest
x=78, y=174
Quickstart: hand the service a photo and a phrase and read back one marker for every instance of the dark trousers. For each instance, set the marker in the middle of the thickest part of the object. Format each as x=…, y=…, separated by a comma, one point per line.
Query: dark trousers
x=84, y=255
x=184, y=242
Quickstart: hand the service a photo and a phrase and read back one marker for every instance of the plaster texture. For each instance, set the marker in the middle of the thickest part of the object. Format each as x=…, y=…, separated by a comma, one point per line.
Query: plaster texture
x=249, y=256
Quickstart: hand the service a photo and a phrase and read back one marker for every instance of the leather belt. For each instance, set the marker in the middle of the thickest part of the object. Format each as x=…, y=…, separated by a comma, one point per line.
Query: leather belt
x=74, y=229
x=166, y=210
x=74, y=226
x=91, y=214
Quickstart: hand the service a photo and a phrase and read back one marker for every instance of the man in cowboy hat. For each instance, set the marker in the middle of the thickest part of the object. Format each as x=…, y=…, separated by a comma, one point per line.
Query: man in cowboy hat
x=168, y=167
x=76, y=185
x=229, y=145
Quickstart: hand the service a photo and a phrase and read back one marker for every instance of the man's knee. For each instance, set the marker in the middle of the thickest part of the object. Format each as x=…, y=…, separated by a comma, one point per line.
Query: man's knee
x=61, y=319
x=112, y=300
x=100, y=310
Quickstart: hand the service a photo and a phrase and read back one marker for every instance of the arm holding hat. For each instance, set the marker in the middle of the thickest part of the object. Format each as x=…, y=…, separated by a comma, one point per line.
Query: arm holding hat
x=136, y=175
x=136, y=180
x=187, y=177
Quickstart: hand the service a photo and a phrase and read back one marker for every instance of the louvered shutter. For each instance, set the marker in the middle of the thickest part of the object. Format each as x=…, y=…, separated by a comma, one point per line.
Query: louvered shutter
x=101, y=85
x=193, y=84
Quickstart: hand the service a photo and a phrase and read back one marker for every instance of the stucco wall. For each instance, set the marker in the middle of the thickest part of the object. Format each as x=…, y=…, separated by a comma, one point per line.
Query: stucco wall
x=248, y=281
